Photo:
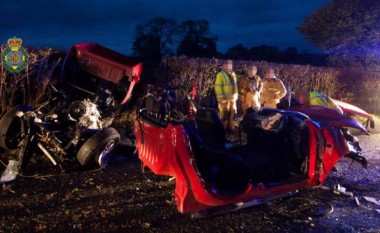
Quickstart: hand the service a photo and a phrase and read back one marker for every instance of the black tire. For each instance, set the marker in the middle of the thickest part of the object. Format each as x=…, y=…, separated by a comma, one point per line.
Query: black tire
x=10, y=127
x=98, y=145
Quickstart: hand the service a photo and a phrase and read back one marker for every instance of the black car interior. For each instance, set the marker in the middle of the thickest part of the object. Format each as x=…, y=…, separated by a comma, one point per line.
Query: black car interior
x=269, y=156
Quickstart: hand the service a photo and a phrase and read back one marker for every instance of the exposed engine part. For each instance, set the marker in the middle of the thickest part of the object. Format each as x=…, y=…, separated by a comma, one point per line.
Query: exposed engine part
x=31, y=115
x=77, y=109
x=51, y=117
x=74, y=141
x=56, y=144
x=86, y=113
x=90, y=122
x=91, y=119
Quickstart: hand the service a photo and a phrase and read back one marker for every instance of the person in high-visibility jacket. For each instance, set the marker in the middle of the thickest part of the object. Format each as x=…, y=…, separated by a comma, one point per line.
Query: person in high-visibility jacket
x=226, y=94
x=315, y=99
x=273, y=90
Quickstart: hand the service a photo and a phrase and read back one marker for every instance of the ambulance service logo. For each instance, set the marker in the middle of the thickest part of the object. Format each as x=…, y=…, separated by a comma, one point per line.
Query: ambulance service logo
x=14, y=58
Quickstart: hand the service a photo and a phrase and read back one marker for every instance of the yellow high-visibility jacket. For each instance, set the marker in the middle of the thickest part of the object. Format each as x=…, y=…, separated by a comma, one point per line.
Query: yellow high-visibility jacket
x=225, y=86
x=319, y=99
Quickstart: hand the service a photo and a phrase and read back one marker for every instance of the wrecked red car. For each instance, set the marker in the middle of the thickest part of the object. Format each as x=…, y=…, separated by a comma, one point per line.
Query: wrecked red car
x=75, y=122
x=215, y=176
x=337, y=115
x=100, y=73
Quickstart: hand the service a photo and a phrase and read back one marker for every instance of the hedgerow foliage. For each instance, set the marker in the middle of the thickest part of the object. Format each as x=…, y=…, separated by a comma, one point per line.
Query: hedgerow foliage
x=356, y=86
x=181, y=73
x=364, y=86
x=30, y=86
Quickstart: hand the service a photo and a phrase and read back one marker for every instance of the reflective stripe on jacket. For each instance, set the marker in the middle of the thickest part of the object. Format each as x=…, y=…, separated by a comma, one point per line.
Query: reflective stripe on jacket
x=319, y=99
x=225, y=86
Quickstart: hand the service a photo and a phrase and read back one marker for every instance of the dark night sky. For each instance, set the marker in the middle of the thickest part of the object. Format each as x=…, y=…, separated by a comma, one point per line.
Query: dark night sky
x=62, y=23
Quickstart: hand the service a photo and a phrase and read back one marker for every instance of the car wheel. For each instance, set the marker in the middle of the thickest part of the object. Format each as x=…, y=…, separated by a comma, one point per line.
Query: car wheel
x=11, y=126
x=98, y=147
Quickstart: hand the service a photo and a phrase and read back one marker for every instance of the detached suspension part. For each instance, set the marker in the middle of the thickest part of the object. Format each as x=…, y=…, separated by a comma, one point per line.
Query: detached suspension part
x=47, y=153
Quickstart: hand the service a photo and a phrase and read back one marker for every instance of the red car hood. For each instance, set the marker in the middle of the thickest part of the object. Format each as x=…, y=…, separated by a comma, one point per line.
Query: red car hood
x=353, y=110
x=326, y=117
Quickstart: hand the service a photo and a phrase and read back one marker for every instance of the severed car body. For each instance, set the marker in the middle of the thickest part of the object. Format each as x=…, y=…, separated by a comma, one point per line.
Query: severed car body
x=214, y=176
x=101, y=74
x=335, y=114
x=75, y=122
x=352, y=111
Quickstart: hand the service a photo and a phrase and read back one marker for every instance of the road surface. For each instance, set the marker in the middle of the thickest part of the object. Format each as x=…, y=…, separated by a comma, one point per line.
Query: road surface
x=120, y=199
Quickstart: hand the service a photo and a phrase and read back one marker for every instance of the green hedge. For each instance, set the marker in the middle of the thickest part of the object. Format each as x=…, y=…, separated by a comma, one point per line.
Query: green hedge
x=355, y=86
x=30, y=85
x=181, y=72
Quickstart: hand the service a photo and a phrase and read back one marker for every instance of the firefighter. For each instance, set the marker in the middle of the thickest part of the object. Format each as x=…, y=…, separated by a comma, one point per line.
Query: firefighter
x=250, y=88
x=273, y=90
x=226, y=95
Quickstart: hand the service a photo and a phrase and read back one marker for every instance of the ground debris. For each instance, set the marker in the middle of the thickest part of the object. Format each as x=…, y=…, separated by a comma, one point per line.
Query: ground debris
x=359, y=204
x=338, y=189
x=146, y=225
x=8, y=188
x=169, y=202
x=51, y=196
x=323, y=187
x=372, y=200
x=78, y=226
x=38, y=219
x=89, y=181
x=103, y=213
x=307, y=221
x=40, y=227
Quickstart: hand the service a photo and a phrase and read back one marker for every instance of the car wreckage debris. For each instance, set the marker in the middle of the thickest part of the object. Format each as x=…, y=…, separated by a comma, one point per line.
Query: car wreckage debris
x=11, y=171
x=215, y=154
x=372, y=200
x=338, y=189
x=76, y=118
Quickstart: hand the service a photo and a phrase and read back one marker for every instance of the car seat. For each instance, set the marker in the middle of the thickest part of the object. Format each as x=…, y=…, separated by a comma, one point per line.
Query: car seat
x=210, y=127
